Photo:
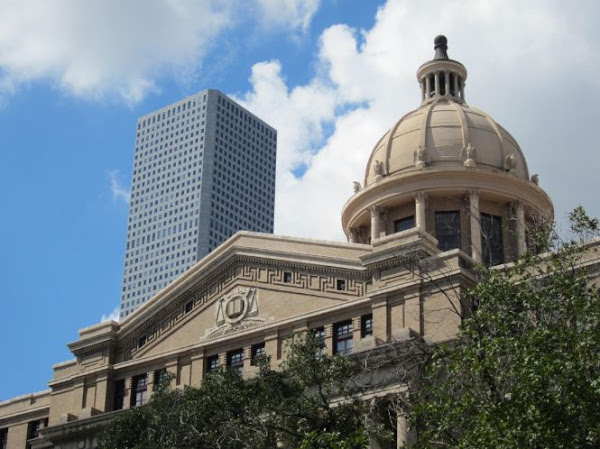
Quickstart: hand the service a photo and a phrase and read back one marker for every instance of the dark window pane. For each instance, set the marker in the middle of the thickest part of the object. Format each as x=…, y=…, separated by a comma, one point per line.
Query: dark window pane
x=235, y=360
x=366, y=325
x=343, y=337
x=160, y=376
x=447, y=230
x=258, y=351
x=404, y=224
x=212, y=363
x=139, y=389
x=491, y=240
x=3, y=438
x=119, y=394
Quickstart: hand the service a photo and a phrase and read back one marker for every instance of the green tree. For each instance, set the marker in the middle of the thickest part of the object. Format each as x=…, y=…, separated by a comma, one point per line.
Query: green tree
x=524, y=371
x=304, y=404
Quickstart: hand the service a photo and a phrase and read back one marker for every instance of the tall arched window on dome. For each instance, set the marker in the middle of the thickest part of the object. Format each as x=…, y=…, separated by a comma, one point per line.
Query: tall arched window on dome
x=491, y=240
x=447, y=229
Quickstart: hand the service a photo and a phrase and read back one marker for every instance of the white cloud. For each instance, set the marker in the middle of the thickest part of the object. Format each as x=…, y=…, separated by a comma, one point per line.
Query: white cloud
x=521, y=57
x=112, y=316
x=294, y=13
x=102, y=49
x=119, y=192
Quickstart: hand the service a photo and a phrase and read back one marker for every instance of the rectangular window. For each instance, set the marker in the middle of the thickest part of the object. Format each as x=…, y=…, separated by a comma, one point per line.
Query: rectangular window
x=3, y=438
x=139, y=390
x=341, y=284
x=319, y=336
x=287, y=277
x=404, y=224
x=160, y=376
x=491, y=240
x=34, y=427
x=212, y=363
x=119, y=394
x=235, y=360
x=366, y=325
x=258, y=350
x=447, y=230
x=343, y=343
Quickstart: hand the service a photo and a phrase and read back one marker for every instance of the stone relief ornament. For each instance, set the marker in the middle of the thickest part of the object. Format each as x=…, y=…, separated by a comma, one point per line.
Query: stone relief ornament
x=357, y=186
x=470, y=154
x=379, y=170
x=510, y=163
x=420, y=157
x=535, y=178
x=238, y=310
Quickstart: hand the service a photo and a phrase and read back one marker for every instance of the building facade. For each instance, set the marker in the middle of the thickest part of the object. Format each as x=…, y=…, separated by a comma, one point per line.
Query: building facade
x=204, y=168
x=446, y=188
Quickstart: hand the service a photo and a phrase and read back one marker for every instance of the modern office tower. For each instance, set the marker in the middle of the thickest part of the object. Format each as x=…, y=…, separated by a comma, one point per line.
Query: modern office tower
x=204, y=168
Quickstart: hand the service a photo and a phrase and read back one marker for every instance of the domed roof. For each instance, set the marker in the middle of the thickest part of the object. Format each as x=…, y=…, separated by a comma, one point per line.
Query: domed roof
x=436, y=157
x=445, y=133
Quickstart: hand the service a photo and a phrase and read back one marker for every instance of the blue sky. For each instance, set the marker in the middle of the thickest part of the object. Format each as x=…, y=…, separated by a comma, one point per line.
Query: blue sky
x=330, y=75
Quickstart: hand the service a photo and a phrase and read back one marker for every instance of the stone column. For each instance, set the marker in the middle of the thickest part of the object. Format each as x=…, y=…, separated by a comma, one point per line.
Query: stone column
x=127, y=393
x=427, y=86
x=197, y=368
x=103, y=397
x=172, y=368
x=404, y=436
x=356, y=331
x=379, y=308
x=375, y=223
x=272, y=345
x=423, y=91
x=352, y=235
x=462, y=89
x=437, y=83
x=475, y=225
x=456, y=85
x=447, y=82
x=520, y=217
x=247, y=371
x=328, y=328
x=149, y=384
x=222, y=359
x=420, y=206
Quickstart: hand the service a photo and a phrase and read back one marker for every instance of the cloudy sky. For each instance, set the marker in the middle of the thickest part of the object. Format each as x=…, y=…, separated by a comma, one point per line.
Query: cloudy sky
x=330, y=75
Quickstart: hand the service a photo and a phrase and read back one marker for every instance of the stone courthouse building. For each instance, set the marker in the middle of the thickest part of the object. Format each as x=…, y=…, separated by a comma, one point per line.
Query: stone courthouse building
x=446, y=184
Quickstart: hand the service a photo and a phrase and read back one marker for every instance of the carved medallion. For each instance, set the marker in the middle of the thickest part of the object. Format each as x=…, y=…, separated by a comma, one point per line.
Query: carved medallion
x=236, y=311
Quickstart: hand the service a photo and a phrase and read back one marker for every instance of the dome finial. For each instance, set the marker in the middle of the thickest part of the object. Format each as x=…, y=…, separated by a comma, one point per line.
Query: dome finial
x=440, y=44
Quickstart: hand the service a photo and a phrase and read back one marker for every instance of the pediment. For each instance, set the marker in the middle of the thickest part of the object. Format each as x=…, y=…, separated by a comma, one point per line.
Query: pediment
x=245, y=292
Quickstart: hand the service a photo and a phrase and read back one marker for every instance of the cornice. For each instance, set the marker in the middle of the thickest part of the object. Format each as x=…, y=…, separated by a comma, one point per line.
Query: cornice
x=438, y=181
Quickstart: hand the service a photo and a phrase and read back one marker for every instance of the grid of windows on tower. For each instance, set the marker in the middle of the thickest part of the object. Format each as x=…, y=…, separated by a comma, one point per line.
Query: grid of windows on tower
x=202, y=157
x=242, y=197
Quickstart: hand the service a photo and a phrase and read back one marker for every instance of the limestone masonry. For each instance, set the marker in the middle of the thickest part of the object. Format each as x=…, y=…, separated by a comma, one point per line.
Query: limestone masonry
x=446, y=187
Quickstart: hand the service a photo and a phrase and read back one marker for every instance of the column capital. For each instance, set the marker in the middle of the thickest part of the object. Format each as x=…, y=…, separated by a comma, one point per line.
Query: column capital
x=374, y=210
x=420, y=196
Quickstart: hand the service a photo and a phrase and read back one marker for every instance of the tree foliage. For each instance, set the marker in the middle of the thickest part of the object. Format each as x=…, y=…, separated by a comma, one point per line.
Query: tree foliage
x=304, y=404
x=524, y=371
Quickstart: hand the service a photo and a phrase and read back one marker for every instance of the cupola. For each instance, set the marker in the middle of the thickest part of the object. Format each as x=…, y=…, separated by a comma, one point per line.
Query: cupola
x=450, y=170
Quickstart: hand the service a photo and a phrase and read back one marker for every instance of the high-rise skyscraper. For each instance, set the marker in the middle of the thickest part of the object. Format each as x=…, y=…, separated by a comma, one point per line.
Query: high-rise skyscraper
x=204, y=168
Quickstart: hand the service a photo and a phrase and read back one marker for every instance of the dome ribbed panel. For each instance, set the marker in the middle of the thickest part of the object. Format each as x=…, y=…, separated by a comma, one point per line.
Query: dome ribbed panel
x=445, y=129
